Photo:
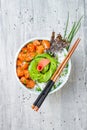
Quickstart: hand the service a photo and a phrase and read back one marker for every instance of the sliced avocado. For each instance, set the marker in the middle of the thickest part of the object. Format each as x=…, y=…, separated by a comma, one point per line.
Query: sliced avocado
x=47, y=72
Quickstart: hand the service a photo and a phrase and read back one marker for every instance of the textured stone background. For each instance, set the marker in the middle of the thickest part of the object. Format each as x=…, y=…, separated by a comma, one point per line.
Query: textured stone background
x=66, y=109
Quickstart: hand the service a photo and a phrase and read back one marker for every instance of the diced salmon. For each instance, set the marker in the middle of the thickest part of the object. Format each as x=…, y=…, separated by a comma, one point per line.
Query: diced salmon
x=30, y=56
x=24, y=50
x=31, y=47
x=21, y=56
x=24, y=65
x=23, y=80
x=36, y=43
x=19, y=62
x=30, y=84
x=40, y=49
x=20, y=72
x=26, y=73
x=46, y=44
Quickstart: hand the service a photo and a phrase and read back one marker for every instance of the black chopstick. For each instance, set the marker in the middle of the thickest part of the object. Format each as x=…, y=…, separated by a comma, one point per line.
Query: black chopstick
x=49, y=85
x=39, y=98
x=44, y=94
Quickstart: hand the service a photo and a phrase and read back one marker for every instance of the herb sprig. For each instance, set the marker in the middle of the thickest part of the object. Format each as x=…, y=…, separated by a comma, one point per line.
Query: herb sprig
x=75, y=27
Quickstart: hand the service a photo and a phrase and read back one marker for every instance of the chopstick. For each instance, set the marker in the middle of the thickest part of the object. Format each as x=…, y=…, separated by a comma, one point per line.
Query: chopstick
x=36, y=105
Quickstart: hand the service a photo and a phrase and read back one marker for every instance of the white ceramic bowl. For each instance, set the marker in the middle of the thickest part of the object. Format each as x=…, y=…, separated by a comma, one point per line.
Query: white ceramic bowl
x=30, y=90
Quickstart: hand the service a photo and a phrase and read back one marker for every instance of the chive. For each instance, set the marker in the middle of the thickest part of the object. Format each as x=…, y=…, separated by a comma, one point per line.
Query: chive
x=74, y=30
x=77, y=29
x=66, y=26
x=70, y=34
x=54, y=86
x=65, y=55
x=38, y=89
x=78, y=23
x=58, y=63
x=66, y=71
x=59, y=83
x=67, y=65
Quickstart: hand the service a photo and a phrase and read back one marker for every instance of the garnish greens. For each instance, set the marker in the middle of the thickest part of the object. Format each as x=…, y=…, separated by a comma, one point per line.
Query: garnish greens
x=38, y=89
x=73, y=31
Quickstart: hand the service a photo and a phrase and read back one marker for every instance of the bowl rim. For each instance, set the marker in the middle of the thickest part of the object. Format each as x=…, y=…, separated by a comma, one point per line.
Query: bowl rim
x=15, y=59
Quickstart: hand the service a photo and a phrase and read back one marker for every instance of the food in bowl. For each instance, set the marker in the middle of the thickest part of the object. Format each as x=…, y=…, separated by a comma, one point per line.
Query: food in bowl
x=37, y=61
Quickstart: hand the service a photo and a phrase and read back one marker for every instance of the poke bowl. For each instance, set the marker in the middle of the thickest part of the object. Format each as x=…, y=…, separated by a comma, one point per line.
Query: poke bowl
x=34, y=65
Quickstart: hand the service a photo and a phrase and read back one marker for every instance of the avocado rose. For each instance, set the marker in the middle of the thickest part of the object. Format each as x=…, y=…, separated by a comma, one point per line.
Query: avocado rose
x=48, y=70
